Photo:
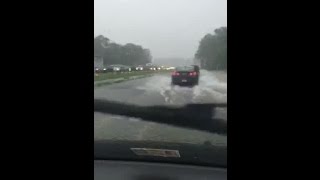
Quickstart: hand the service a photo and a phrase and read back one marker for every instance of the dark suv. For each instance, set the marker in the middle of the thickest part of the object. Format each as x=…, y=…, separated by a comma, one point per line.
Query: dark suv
x=185, y=75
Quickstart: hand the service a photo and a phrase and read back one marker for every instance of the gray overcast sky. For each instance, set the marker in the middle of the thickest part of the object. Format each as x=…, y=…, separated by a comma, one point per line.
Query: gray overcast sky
x=169, y=28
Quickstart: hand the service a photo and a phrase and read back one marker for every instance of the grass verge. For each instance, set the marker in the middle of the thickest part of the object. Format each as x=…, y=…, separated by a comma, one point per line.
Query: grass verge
x=121, y=80
x=105, y=76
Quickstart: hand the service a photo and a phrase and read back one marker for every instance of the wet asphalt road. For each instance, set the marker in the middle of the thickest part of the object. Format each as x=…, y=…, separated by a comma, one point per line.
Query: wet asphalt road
x=157, y=90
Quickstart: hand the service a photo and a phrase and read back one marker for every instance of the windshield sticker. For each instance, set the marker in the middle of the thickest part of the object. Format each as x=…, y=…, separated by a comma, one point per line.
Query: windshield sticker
x=156, y=152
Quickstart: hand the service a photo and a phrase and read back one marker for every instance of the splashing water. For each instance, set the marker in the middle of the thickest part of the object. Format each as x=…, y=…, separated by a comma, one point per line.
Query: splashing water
x=211, y=89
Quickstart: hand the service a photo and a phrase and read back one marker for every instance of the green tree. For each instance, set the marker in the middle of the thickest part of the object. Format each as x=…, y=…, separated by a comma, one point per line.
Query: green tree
x=100, y=43
x=113, y=53
x=212, y=50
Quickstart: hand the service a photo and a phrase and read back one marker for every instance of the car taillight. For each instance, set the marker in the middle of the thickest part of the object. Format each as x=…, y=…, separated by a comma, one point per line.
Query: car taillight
x=193, y=73
x=175, y=73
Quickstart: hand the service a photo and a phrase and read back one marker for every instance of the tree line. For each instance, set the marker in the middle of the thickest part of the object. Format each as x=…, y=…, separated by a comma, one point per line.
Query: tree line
x=212, y=50
x=113, y=53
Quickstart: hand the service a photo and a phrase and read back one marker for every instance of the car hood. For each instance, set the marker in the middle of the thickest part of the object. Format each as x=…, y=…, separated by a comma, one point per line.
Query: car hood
x=195, y=154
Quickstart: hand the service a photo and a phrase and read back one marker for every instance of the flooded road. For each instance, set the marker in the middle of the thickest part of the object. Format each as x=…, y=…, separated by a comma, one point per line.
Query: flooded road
x=157, y=90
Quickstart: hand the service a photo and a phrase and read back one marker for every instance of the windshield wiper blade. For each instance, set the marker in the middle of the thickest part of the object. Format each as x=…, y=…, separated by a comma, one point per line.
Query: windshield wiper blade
x=193, y=116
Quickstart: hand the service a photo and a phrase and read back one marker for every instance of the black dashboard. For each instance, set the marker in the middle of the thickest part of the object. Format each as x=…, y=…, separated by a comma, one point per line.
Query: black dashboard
x=130, y=170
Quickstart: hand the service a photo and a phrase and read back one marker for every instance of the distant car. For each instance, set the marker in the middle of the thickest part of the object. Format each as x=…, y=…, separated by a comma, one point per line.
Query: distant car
x=112, y=68
x=105, y=70
x=139, y=68
x=124, y=68
x=185, y=75
x=153, y=68
x=98, y=70
x=118, y=68
x=170, y=68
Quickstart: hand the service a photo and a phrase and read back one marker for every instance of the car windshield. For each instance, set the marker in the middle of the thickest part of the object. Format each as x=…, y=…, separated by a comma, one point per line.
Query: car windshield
x=162, y=37
x=185, y=68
